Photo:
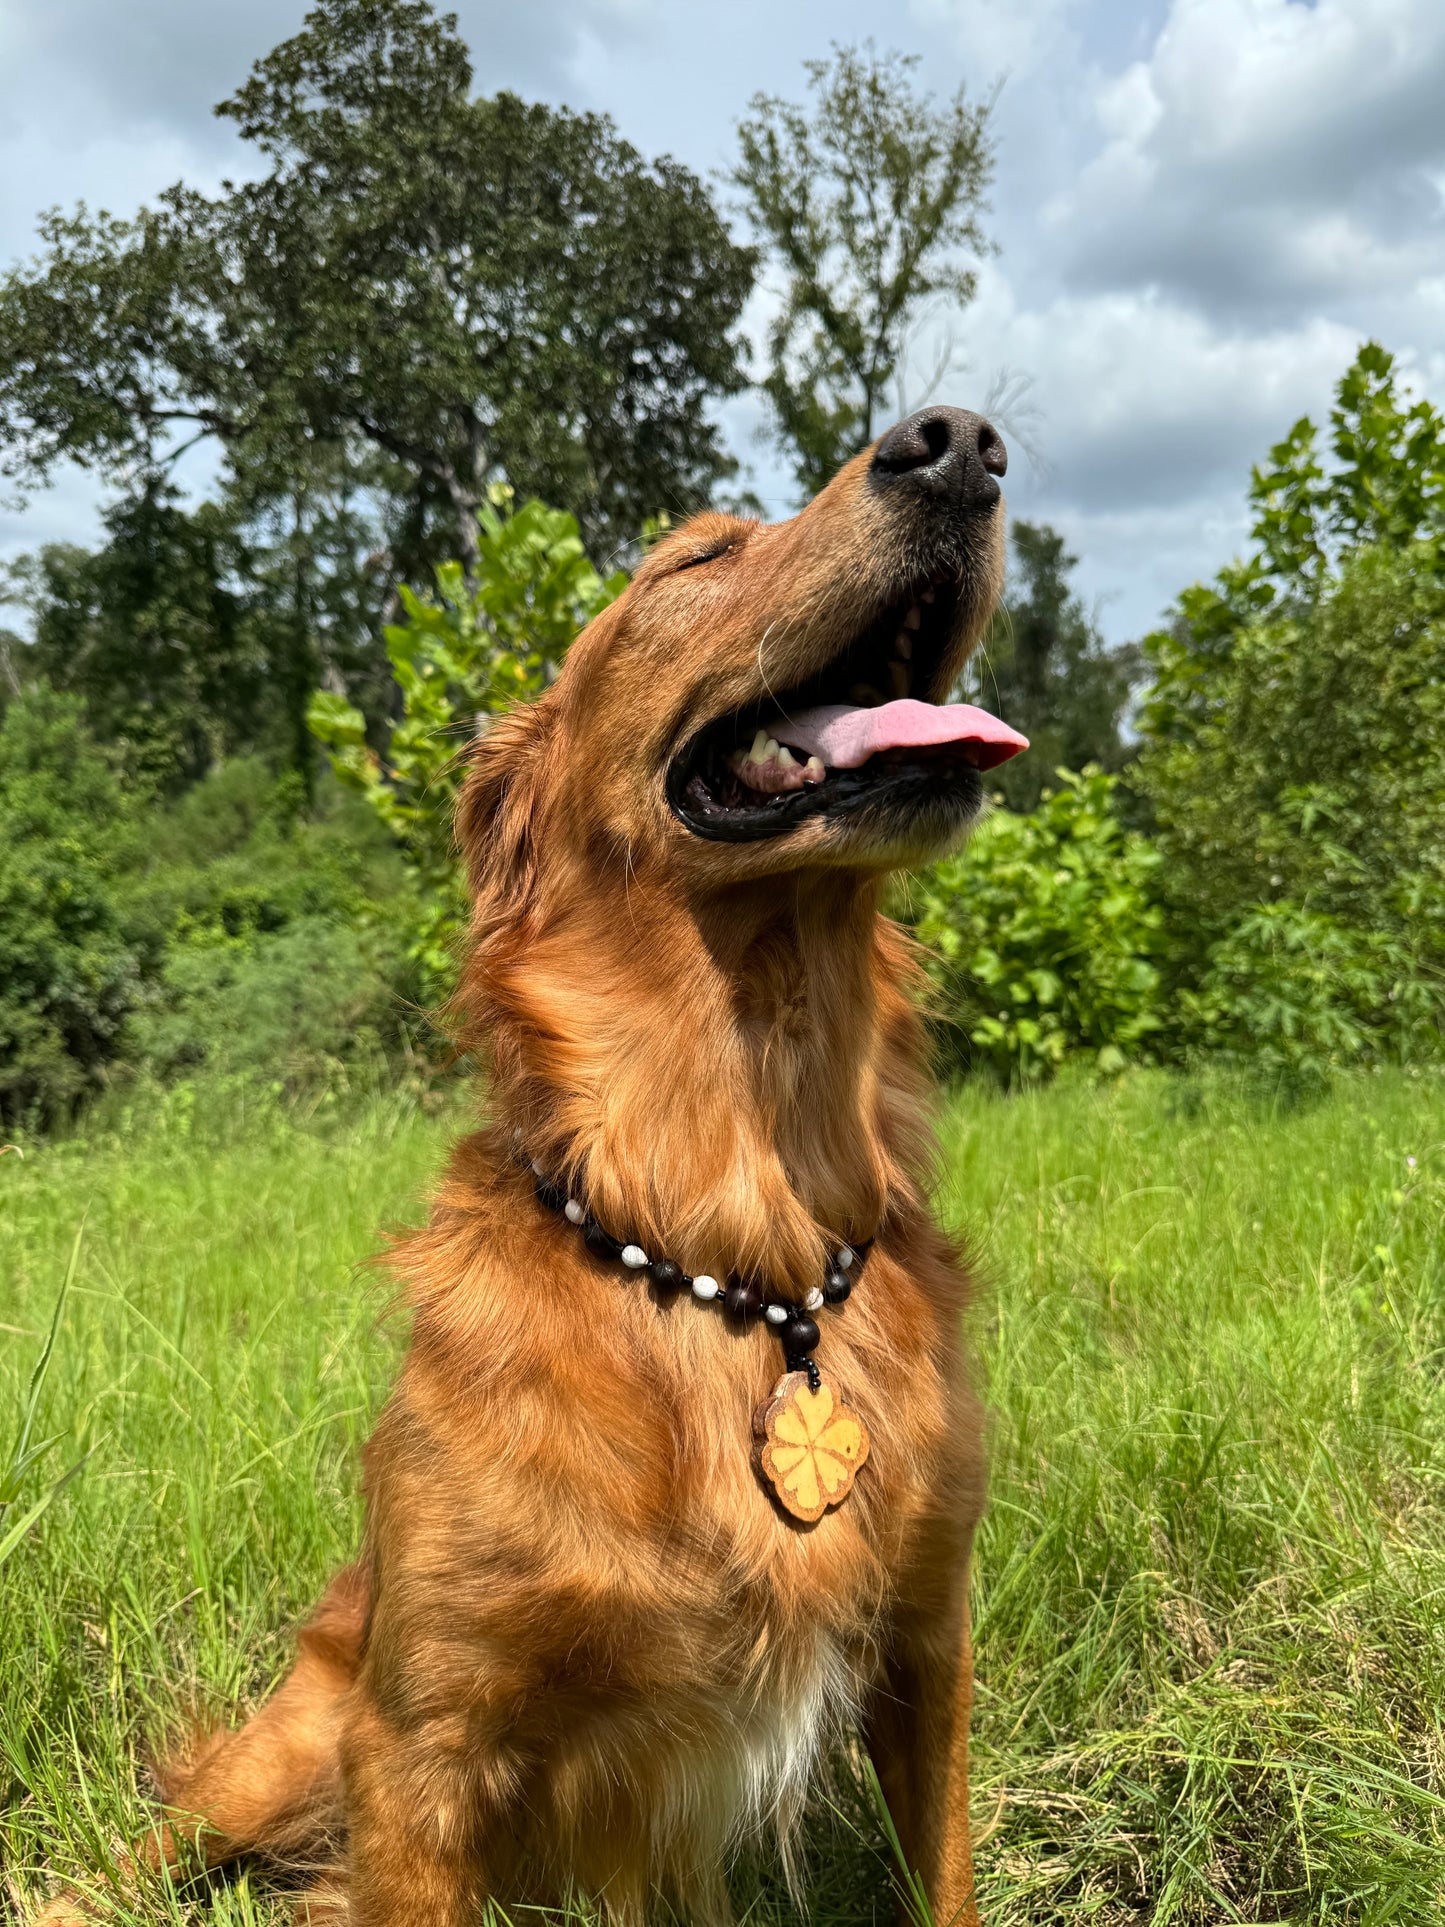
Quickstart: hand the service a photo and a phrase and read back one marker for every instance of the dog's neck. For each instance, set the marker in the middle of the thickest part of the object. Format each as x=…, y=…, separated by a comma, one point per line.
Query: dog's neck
x=721, y=1077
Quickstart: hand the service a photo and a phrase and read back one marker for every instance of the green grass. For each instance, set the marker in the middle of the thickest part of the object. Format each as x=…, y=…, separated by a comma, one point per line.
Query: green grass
x=1211, y=1645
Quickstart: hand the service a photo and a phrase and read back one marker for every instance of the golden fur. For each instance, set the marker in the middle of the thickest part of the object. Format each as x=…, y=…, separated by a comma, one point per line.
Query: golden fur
x=582, y=1650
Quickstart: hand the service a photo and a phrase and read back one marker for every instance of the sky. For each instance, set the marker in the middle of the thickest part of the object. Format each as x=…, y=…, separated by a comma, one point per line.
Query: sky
x=1201, y=208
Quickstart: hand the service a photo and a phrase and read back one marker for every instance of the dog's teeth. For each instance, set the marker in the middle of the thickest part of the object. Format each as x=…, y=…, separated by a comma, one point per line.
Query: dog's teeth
x=903, y=645
x=770, y=751
x=901, y=677
x=759, y=751
x=914, y=617
x=786, y=758
x=814, y=770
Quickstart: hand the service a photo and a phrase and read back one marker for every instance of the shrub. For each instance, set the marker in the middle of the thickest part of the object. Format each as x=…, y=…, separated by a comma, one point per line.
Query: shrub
x=278, y=930
x=290, y=1007
x=471, y=650
x=70, y=965
x=1305, y=762
x=1045, y=936
x=1292, y=995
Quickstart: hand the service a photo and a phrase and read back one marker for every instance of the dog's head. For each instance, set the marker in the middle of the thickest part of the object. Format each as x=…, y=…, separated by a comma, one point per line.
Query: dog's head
x=766, y=698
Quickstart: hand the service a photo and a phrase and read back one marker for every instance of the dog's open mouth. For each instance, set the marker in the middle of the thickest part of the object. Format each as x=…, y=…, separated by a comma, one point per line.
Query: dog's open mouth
x=869, y=731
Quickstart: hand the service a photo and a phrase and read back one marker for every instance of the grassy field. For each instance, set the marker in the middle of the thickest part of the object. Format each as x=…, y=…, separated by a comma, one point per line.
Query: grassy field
x=1210, y=1633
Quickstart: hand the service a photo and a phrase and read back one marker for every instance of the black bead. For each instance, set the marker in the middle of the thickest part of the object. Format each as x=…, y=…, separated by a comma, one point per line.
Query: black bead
x=550, y=1193
x=666, y=1275
x=837, y=1285
x=599, y=1242
x=799, y=1334
x=743, y=1298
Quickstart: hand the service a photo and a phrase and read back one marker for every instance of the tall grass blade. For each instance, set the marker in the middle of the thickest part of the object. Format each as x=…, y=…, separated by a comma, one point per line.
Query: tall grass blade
x=25, y=1455
x=912, y=1892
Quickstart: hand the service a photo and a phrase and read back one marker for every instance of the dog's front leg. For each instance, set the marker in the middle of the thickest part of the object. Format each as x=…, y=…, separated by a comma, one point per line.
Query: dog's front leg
x=918, y=1737
x=415, y=1854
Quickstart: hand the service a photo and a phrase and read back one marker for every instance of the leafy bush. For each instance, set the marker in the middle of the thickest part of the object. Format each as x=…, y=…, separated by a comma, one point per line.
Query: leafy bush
x=1292, y=995
x=1306, y=762
x=289, y=1007
x=1052, y=939
x=465, y=654
x=70, y=966
x=1045, y=936
x=279, y=932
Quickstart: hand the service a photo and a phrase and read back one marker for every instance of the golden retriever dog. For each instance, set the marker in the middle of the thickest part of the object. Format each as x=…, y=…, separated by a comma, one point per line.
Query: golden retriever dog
x=678, y=1481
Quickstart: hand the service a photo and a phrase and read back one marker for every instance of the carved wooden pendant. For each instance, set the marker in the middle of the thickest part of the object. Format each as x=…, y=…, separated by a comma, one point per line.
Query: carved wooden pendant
x=811, y=1444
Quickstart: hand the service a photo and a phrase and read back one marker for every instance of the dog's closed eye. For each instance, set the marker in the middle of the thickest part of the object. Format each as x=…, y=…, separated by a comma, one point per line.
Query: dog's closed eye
x=712, y=554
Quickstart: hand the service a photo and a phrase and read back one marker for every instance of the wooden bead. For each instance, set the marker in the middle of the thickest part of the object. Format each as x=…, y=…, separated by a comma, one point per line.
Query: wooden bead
x=704, y=1287
x=634, y=1257
x=665, y=1274
x=800, y=1335
x=836, y=1286
x=743, y=1298
x=599, y=1242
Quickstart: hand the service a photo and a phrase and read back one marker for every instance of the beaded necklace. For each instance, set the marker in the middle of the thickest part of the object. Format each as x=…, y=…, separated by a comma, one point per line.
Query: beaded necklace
x=811, y=1444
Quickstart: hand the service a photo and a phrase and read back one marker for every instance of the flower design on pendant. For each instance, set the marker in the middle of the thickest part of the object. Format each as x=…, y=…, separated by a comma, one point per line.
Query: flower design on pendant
x=812, y=1444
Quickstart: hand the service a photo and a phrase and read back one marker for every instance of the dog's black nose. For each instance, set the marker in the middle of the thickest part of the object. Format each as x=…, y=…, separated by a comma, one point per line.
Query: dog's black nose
x=945, y=452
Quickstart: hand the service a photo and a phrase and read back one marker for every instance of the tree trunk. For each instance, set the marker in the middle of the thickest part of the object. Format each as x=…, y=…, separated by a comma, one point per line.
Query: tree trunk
x=465, y=506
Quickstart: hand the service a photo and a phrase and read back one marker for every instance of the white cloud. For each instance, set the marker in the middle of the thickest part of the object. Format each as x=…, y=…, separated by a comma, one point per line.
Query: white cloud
x=998, y=37
x=1147, y=416
x=1265, y=154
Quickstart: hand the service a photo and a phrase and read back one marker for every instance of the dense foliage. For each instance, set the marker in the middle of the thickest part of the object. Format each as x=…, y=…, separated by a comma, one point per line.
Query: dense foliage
x=177, y=660
x=1047, y=937
x=451, y=285
x=236, y=931
x=69, y=961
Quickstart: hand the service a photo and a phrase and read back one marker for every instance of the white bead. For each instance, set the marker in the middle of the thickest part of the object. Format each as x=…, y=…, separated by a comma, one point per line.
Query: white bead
x=634, y=1257
x=573, y=1212
x=539, y=1167
x=846, y=1257
x=814, y=1300
x=705, y=1287
x=776, y=1314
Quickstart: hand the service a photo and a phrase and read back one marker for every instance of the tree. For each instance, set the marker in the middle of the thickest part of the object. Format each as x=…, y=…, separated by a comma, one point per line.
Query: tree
x=440, y=288
x=164, y=655
x=1294, y=735
x=1046, y=669
x=865, y=205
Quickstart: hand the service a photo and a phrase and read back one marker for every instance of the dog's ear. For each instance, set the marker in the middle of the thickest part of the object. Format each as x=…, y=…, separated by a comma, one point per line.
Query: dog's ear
x=496, y=816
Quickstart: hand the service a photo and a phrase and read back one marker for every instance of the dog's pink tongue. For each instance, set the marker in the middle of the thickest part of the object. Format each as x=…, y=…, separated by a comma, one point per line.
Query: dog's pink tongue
x=844, y=736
